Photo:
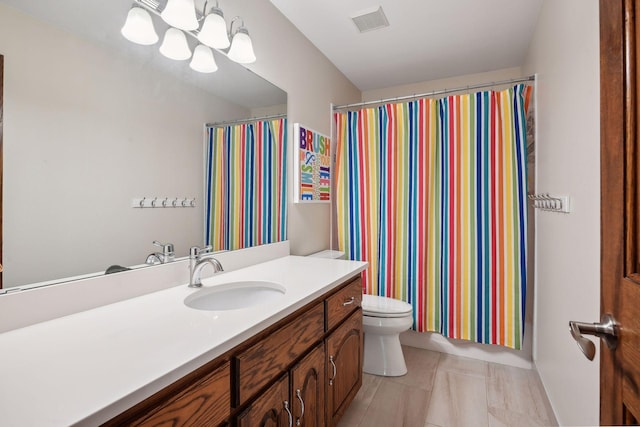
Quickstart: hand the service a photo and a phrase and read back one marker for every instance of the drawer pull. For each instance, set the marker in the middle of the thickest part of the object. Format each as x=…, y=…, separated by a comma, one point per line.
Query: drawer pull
x=349, y=301
x=286, y=408
x=302, y=405
x=334, y=370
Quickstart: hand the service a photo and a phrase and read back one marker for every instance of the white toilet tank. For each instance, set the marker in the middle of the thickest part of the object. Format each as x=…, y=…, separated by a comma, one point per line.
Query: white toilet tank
x=329, y=254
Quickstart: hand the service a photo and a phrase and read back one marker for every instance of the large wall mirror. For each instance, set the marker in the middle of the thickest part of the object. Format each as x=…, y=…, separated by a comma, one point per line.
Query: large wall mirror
x=92, y=122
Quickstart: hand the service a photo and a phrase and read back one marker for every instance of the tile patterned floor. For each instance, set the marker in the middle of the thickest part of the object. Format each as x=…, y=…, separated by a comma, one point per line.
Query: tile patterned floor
x=442, y=390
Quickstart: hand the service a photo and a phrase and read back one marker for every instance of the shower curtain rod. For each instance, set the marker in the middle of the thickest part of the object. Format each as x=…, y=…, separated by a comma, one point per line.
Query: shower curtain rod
x=436, y=92
x=237, y=122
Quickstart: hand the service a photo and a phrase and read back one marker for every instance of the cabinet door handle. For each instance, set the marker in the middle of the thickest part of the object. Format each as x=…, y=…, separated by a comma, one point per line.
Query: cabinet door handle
x=334, y=370
x=349, y=301
x=298, y=421
x=286, y=408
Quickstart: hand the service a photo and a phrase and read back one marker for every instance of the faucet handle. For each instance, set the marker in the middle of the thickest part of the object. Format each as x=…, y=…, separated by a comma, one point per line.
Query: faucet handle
x=167, y=249
x=196, y=251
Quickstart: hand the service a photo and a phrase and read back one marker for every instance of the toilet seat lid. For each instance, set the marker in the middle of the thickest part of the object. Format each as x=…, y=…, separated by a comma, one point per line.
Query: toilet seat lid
x=377, y=306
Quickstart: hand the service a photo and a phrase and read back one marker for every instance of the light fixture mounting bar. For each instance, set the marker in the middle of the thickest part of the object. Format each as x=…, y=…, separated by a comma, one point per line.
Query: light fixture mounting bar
x=152, y=6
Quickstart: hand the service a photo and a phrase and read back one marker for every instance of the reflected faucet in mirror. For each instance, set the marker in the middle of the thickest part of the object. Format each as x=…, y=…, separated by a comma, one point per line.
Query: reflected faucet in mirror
x=198, y=259
x=166, y=256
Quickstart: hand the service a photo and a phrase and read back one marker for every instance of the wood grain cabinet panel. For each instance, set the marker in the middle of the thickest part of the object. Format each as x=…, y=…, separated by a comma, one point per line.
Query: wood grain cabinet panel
x=344, y=365
x=343, y=302
x=308, y=389
x=270, y=409
x=271, y=356
x=207, y=402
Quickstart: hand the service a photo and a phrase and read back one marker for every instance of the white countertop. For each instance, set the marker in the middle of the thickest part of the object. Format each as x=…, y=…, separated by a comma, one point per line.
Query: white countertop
x=88, y=367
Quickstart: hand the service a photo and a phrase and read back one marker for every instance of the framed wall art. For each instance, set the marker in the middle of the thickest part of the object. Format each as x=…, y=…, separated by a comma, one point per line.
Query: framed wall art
x=312, y=166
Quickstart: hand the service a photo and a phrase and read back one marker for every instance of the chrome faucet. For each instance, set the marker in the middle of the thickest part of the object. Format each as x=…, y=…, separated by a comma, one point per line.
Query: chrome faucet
x=166, y=256
x=198, y=259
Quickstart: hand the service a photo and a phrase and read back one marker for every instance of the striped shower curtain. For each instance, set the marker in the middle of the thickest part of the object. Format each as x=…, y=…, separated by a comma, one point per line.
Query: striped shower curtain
x=246, y=185
x=432, y=193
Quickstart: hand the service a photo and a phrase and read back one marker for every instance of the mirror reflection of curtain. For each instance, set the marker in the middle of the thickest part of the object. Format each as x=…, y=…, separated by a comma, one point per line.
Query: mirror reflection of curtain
x=246, y=184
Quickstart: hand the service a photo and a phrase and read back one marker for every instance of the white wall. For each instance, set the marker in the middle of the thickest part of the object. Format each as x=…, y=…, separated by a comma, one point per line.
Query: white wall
x=431, y=341
x=448, y=83
x=288, y=60
x=85, y=131
x=564, y=54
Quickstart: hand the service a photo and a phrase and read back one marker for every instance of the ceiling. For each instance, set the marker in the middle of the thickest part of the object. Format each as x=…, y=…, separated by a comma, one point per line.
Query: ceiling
x=425, y=40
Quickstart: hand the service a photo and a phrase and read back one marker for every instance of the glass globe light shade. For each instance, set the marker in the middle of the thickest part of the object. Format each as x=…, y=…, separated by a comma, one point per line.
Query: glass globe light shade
x=175, y=46
x=241, y=50
x=180, y=14
x=138, y=28
x=214, y=30
x=203, y=60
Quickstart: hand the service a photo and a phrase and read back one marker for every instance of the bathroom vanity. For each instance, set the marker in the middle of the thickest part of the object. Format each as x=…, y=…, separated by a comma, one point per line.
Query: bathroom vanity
x=311, y=359
x=152, y=360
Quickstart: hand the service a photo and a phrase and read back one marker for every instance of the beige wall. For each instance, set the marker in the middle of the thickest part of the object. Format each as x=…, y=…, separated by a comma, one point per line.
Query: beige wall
x=85, y=131
x=288, y=60
x=564, y=54
x=448, y=83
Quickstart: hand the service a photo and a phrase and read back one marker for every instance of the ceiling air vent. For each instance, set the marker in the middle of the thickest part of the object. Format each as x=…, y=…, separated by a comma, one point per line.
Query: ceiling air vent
x=371, y=19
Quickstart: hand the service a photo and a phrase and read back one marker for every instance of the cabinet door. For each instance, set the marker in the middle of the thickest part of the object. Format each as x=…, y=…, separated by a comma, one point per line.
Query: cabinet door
x=270, y=409
x=344, y=366
x=307, y=389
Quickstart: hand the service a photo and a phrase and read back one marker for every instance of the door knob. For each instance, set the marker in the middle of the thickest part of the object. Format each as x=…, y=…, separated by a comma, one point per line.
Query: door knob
x=607, y=329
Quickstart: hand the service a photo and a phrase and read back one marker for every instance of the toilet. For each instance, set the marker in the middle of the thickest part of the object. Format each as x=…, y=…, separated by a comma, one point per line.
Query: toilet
x=383, y=320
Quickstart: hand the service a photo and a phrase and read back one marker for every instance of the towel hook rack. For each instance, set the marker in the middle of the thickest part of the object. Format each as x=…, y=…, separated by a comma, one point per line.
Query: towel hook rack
x=163, y=202
x=549, y=203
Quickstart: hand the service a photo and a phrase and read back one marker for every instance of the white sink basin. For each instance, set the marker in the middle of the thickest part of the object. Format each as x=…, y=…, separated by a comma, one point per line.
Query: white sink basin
x=235, y=295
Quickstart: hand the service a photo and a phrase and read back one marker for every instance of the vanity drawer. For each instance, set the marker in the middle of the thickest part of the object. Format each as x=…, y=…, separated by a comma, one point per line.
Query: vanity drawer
x=271, y=356
x=206, y=402
x=343, y=302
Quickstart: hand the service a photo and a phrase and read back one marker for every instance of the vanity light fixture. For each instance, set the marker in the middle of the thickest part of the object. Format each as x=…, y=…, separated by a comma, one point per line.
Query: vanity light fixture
x=181, y=14
x=241, y=49
x=184, y=19
x=214, y=29
x=174, y=45
x=138, y=28
x=203, y=60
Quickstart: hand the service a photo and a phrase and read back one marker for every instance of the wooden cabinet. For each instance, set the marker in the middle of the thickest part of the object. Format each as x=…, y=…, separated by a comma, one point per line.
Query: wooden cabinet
x=270, y=409
x=342, y=303
x=271, y=356
x=205, y=401
x=297, y=399
x=308, y=389
x=302, y=371
x=344, y=361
